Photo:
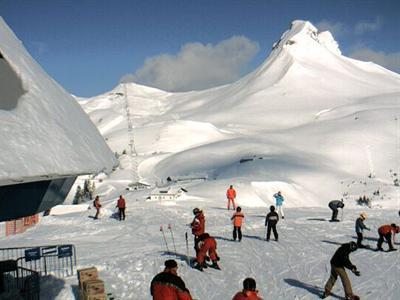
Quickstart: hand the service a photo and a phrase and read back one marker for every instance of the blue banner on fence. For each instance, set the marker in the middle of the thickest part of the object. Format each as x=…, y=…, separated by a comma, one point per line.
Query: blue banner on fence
x=32, y=254
x=64, y=251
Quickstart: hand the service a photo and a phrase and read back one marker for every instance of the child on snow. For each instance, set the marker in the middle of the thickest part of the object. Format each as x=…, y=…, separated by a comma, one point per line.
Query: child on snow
x=97, y=205
x=271, y=220
x=121, y=207
x=207, y=245
x=198, y=227
x=279, y=204
x=385, y=232
x=237, y=219
x=359, y=229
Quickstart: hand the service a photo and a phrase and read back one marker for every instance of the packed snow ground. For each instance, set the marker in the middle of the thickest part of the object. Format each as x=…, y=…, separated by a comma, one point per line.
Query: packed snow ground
x=129, y=253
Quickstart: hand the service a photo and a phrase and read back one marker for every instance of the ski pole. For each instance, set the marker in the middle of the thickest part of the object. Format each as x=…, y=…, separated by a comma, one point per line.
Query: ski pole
x=187, y=248
x=165, y=240
x=172, y=236
x=341, y=217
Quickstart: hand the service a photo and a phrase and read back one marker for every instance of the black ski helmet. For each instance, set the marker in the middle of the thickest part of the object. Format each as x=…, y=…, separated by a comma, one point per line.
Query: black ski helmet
x=238, y=209
x=196, y=211
x=272, y=208
x=249, y=284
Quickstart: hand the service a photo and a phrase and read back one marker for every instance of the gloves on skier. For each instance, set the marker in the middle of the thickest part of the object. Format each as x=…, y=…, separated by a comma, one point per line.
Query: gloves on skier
x=356, y=272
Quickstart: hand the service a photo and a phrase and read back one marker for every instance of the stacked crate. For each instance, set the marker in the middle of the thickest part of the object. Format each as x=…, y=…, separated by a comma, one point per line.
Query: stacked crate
x=90, y=286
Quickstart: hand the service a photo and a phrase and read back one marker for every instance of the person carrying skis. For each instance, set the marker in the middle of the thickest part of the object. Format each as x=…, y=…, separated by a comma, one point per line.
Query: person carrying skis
x=271, y=220
x=279, y=203
x=121, y=207
x=249, y=291
x=334, y=205
x=237, y=219
x=359, y=229
x=97, y=205
x=207, y=245
x=198, y=226
x=231, y=196
x=339, y=261
x=385, y=232
x=167, y=285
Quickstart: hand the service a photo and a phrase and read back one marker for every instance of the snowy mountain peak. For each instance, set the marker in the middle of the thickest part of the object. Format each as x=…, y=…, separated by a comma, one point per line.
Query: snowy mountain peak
x=304, y=36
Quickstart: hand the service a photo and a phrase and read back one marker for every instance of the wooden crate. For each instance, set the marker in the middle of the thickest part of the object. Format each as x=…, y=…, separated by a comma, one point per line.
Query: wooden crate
x=96, y=297
x=93, y=287
x=83, y=296
x=87, y=274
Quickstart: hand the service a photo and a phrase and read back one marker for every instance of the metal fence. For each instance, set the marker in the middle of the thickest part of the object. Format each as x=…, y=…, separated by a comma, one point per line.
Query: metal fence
x=20, y=284
x=56, y=260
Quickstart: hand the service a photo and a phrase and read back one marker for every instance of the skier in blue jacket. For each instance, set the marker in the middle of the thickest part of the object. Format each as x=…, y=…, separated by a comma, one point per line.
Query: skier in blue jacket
x=360, y=226
x=279, y=204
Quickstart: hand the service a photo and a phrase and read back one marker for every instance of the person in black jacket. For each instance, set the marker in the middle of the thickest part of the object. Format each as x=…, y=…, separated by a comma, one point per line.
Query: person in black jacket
x=340, y=260
x=270, y=221
x=335, y=205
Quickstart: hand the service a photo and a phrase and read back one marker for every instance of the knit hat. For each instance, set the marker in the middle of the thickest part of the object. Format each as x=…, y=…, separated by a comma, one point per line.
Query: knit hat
x=353, y=246
x=249, y=284
x=363, y=215
x=170, y=264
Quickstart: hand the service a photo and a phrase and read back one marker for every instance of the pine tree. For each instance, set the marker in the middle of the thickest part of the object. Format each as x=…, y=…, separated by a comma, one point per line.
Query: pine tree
x=78, y=195
x=86, y=189
x=92, y=190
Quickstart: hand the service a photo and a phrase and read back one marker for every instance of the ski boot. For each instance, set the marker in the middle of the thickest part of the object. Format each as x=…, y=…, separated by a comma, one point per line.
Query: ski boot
x=215, y=266
x=198, y=267
x=392, y=249
x=353, y=297
x=325, y=294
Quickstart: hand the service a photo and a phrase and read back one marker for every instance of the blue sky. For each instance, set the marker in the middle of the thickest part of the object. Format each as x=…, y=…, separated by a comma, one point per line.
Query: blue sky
x=90, y=46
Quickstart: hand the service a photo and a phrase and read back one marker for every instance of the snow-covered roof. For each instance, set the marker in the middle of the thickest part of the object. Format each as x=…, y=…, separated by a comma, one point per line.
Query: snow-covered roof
x=44, y=133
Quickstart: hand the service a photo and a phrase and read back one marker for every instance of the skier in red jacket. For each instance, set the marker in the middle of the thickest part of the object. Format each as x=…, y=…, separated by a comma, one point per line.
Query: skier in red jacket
x=167, y=285
x=231, y=195
x=249, y=291
x=385, y=232
x=237, y=219
x=207, y=245
x=198, y=227
x=97, y=205
x=121, y=207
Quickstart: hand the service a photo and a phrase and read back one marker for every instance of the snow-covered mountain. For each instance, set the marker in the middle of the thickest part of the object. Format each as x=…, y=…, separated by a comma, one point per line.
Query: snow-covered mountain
x=308, y=121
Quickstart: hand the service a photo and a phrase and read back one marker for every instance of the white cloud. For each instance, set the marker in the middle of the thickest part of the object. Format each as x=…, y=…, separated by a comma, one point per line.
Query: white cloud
x=390, y=61
x=364, y=26
x=197, y=66
x=337, y=29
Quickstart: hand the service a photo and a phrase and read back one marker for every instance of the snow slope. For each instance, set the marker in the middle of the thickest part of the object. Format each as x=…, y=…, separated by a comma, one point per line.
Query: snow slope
x=308, y=117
